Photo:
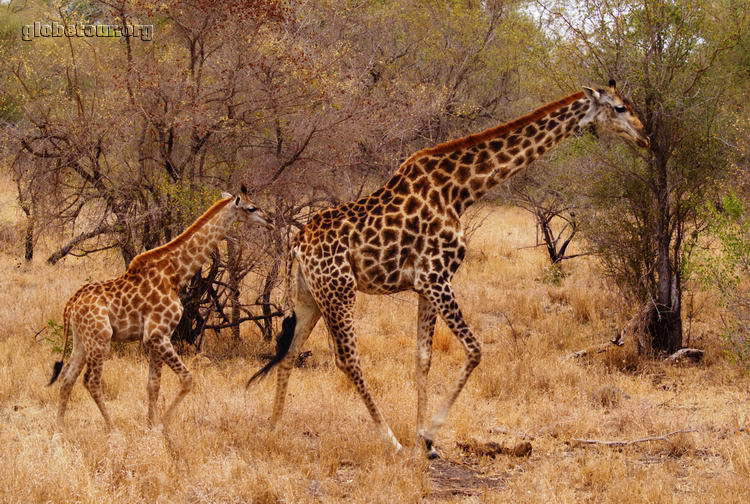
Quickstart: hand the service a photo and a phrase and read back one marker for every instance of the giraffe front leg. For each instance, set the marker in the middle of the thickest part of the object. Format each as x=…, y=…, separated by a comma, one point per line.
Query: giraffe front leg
x=170, y=357
x=444, y=301
x=158, y=329
x=425, y=328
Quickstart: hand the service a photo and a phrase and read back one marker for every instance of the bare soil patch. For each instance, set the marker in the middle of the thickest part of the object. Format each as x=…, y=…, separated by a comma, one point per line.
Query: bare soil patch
x=451, y=479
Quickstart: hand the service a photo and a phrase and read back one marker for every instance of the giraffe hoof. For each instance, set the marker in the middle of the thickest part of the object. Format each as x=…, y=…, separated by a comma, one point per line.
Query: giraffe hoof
x=429, y=446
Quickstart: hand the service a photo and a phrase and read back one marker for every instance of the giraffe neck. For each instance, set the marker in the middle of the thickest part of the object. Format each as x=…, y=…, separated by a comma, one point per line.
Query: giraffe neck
x=192, y=248
x=196, y=251
x=456, y=174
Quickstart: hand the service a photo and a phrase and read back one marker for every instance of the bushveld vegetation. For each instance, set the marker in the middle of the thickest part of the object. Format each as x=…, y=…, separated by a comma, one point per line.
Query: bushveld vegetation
x=110, y=146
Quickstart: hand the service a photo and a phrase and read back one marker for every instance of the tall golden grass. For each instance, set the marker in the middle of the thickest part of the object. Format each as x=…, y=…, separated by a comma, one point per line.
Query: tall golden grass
x=220, y=448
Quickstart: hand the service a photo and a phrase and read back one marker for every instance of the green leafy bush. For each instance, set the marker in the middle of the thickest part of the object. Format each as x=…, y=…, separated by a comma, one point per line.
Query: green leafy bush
x=56, y=338
x=726, y=267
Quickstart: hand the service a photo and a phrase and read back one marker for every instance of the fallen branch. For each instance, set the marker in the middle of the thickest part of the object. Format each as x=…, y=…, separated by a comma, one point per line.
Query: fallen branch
x=243, y=319
x=603, y=347
x=692, y=354
x=617, y=444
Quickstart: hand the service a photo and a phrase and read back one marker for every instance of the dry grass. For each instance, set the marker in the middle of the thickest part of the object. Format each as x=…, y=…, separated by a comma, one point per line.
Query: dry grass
x=221, y=450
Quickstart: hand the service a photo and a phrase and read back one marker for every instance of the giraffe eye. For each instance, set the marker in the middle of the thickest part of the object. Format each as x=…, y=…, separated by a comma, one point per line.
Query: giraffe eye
x=620, y=109
x=251, y=209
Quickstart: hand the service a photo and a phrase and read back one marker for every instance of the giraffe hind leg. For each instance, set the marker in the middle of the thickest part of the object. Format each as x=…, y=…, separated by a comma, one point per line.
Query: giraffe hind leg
x=98, y=335
x=69, y=375
x=307, y=315
x=92, y=380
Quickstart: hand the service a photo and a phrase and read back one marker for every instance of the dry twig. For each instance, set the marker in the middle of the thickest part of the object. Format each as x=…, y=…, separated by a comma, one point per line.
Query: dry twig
x=664, y=437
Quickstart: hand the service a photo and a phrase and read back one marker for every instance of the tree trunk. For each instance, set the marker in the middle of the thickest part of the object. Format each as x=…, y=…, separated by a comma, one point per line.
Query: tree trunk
x=665, y=329
x=29, y=242
x=664, y=318
x=265, y=297
x=544, y=225
x=127, y=251
x=273, y=274
x=29, y=238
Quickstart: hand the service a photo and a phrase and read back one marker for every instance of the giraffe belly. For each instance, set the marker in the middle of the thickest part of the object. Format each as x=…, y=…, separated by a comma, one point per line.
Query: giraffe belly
x=126, y=328
x=369, y=288
x=126, y=336
x=382, y=277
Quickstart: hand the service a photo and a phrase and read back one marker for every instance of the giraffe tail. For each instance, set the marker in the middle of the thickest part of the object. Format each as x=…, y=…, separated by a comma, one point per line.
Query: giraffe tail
x=283, y=343
x=57, y=367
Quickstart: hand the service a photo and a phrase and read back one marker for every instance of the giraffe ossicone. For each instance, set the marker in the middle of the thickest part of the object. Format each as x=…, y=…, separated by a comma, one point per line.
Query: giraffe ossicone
x=143, y=304
x=407, y=236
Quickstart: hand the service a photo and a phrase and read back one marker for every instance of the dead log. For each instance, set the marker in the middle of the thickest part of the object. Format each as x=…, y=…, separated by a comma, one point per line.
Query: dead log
x=693, y=355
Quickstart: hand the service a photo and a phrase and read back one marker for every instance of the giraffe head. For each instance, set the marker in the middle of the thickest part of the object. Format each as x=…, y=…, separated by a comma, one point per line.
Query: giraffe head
x=614, y=113
x=242, y=207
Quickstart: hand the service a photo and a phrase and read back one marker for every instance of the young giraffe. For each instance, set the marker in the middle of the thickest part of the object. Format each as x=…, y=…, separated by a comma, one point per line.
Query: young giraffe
x=408, y=236
x=143, y=304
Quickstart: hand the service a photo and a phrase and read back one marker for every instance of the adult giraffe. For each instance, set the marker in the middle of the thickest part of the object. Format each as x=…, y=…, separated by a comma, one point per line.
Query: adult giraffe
x=143, y=304
x=407, y=236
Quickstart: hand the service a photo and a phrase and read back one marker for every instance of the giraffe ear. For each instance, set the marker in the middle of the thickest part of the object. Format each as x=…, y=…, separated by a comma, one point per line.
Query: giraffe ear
x=237, y=201
x=225, y=195
x=592, y=94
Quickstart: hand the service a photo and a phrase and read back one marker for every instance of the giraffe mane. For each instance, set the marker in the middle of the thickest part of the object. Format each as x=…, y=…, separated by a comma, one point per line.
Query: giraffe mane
x=472, y=140
x=144, y=258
